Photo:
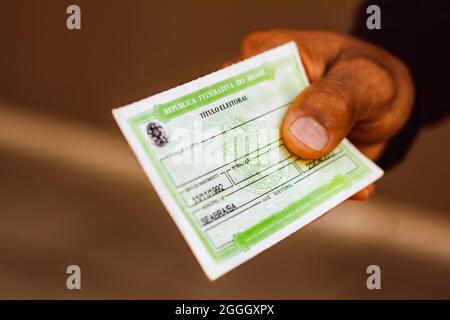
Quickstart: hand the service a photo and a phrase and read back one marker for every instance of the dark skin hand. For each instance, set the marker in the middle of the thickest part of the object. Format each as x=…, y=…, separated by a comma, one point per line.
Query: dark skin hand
x=357, y=91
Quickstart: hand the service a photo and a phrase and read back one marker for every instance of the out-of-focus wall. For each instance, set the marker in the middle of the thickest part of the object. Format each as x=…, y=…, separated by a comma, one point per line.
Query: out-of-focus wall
x=128, y=50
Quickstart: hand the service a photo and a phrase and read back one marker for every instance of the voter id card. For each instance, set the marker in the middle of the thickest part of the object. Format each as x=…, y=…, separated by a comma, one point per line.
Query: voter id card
x=212, y=150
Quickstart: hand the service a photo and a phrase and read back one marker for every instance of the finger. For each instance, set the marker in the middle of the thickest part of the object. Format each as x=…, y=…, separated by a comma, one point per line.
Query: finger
x=231, y=62
x=326, y=111
x=318, y=119
x=357, y=89
x=364, y=194
x=372, y=151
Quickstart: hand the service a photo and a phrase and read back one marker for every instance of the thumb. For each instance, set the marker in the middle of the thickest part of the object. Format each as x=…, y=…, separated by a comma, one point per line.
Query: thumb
x=320, y=117
x=355, y=87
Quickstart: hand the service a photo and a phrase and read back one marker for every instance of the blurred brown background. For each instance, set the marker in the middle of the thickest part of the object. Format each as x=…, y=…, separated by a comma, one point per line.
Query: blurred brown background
x=71, y=191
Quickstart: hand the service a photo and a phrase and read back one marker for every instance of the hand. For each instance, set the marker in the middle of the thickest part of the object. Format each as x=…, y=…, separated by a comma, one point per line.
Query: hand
x=357, y=91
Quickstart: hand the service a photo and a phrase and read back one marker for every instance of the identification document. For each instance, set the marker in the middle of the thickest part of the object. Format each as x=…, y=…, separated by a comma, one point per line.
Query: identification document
x=213, y=152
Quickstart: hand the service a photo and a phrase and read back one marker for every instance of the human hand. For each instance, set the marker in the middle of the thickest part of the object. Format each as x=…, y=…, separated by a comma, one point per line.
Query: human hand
x=357, y=91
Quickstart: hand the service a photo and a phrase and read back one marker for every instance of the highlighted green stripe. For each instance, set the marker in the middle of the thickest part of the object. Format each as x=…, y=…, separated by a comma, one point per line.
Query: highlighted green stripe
x=167, y=111
x=246, y=239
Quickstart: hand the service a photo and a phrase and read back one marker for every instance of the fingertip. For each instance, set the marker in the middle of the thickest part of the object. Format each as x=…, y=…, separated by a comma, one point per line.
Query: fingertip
x=365, y=193
x=231, y=62
x=305, y=137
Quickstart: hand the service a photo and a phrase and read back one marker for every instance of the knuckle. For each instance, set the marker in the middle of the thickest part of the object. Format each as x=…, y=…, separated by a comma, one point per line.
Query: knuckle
x=371, y=82
x=338, y=98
